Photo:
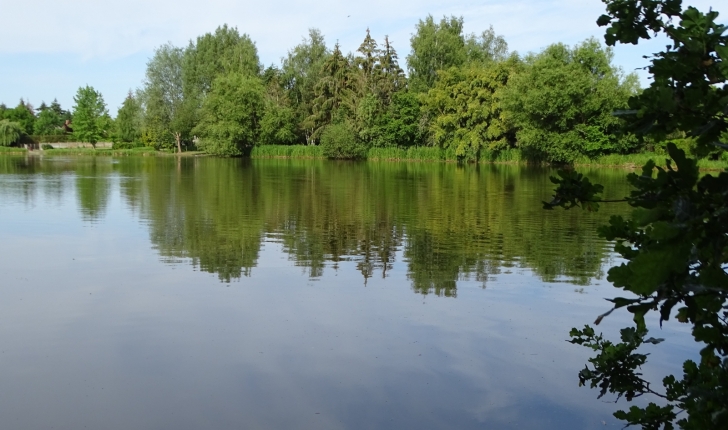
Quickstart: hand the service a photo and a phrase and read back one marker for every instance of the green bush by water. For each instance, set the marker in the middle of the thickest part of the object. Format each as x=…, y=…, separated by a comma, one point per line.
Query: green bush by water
x=339, y=142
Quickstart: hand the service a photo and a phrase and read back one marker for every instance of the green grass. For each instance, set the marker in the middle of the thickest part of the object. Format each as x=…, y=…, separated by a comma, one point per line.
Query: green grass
x=712, y=164
x=415, y=153
x=638, y=160
x=12, y=150
x=104, y=152
x=286, y=151
x=428, y=153
x=621, y=160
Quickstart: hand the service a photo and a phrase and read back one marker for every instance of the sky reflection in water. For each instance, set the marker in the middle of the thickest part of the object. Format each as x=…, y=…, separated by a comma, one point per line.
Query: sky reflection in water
x=200, y=293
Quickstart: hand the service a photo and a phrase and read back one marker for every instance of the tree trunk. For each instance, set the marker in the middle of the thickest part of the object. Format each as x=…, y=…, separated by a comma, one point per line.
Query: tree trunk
x=178, y=138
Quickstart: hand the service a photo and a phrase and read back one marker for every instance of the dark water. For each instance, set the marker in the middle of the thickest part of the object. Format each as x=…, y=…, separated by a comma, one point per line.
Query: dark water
x=199, y=293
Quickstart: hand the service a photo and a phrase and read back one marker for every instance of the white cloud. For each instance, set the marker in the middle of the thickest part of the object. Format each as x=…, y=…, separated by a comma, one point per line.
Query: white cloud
x=97, y=33
x=116, y=29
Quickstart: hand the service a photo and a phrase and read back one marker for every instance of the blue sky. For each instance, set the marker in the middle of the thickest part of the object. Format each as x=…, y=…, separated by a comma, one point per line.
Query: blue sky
x=50, y=48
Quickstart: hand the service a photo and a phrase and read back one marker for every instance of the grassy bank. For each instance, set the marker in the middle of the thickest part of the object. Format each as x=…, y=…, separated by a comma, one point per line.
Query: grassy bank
x=421, y=153
x=286, y=151
x=145, y=151
x=12, y=150
x=638, y=160
x=415, y=154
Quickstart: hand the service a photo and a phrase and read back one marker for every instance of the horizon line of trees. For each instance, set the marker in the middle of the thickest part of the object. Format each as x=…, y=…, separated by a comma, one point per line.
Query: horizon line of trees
x=464, y=92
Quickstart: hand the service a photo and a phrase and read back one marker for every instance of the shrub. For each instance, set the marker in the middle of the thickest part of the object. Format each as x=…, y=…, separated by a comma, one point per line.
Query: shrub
x=46, y=146
x=338, y=141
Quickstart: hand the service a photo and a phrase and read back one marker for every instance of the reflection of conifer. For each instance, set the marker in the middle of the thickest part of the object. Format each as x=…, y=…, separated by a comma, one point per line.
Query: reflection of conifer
x=364, y=214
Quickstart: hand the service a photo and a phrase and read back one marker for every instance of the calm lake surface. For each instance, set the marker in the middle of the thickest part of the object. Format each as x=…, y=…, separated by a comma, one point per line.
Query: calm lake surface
x=201, y=293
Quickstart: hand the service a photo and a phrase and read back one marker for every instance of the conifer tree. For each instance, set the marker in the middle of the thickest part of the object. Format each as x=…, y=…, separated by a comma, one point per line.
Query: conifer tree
x=367, y=61
x=391, y=77
x=127, y=125
x=91, y=119
x=332, y=90
x=301, y=73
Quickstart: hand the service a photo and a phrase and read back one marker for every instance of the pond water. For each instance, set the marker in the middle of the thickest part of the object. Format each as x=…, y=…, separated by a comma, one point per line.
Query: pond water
x=202, y=293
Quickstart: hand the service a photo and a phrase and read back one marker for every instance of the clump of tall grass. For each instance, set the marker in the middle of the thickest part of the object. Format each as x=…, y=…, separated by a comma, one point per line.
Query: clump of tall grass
x=429, y=153
x=286, y=151
x=413, y=153
x=639, y=159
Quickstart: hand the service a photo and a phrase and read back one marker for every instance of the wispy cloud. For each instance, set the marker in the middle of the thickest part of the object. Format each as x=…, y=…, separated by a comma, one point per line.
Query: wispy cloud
x=96, y=32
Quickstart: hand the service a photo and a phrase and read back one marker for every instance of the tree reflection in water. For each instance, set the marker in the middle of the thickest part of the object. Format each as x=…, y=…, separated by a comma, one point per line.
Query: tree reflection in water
x=444, y=221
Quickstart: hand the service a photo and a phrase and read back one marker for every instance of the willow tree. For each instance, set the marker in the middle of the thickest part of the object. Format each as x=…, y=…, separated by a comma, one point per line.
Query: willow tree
x=10, y=132
x=23, y=114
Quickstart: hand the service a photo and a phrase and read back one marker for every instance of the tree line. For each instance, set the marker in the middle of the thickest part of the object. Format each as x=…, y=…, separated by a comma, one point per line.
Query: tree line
x=462, y=92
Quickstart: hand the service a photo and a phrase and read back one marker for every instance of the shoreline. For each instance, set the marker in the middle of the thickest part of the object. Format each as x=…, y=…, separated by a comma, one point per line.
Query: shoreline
x=429, y=155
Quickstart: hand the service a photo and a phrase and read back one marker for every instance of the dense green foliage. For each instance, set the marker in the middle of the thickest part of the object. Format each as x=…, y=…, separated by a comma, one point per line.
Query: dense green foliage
x=562, y=103
x=435, y=47
x=464, y=94
x=230, y=115
x=22, y=114
x=10, y=132
x=47, y=123
x=675, y=244
x=301, y=71
x=168, y=114
x=339, y=141
x=50, y=120
x=466, y=109
x=128, y=123
x=91, y=121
